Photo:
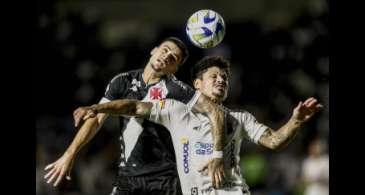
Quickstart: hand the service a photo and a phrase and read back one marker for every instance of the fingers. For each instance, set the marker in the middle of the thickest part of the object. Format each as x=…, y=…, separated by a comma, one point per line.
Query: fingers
x=49, y=166
x=77, y=117
x=212, y=175
x=223, y=174
x=219, y=179
x=307, y=101
x=49, y=173
x=299, y=106
x=90, y=114
x=54, y=174
x=60, y=177
x=311, y=103
x=318, y=107
x=203, y=168
x=68, y=175
x=80, y=113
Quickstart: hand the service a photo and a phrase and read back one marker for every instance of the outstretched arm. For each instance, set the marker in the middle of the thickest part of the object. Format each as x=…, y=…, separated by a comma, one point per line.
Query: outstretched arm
x=62, y=167
x=282, y=137
x=94, y=116
x=126, y=107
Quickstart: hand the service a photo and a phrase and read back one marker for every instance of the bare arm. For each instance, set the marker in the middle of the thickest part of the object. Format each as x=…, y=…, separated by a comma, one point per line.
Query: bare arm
x=126, y=107
x=216, y=116
x=282, y=137
x=86, y=133
x=63, y=166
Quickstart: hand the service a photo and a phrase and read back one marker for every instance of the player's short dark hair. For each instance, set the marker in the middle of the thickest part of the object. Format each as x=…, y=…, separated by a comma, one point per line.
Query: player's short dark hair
x=209, y=61
x=181, y=45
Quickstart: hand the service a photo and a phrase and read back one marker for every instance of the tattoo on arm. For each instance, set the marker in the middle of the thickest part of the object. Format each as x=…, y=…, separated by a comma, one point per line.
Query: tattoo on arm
x=280, y=138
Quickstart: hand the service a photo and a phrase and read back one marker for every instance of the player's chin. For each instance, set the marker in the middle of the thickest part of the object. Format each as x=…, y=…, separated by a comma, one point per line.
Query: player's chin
x=220, y=92
x=219, y=95
x=156, y=67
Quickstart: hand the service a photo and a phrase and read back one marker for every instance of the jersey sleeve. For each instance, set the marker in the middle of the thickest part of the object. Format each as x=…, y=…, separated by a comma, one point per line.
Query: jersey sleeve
x=252, y=129
x=167, y=112
x=180, y=91
x=116, y=87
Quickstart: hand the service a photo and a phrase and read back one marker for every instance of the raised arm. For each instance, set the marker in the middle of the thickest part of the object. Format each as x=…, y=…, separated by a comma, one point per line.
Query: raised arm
x=216, y=116
x=282, y=137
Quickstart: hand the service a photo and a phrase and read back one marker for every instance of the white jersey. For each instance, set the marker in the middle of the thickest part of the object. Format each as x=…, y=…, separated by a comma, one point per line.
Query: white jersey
x=193, y=144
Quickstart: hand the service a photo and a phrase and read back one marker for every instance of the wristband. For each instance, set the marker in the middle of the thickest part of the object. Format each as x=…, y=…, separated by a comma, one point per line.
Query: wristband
x=217, y=154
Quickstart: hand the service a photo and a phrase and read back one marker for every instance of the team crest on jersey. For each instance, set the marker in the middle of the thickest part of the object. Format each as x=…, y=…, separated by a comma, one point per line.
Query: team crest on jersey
x=155, y=93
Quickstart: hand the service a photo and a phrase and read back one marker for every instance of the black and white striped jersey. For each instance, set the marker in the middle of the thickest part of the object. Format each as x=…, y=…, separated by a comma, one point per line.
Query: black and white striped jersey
x=146, y=147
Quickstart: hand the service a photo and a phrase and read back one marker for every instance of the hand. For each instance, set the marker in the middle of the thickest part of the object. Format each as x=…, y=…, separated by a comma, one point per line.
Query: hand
x=59, y=169
x=215, y=169
x=83, y=113
x=304, y=111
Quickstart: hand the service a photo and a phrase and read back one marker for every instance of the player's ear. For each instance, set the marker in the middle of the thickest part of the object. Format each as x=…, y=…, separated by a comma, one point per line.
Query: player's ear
x=197, y=83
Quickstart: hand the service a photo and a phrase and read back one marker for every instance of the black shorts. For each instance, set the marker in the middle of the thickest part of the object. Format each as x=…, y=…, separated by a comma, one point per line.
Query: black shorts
x=147, y=185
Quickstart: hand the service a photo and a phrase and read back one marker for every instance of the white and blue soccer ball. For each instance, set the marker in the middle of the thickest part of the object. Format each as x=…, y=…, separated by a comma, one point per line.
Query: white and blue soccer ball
x=205, y=28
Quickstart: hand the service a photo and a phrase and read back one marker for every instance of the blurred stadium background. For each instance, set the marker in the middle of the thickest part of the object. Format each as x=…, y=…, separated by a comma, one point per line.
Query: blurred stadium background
x=279, y=52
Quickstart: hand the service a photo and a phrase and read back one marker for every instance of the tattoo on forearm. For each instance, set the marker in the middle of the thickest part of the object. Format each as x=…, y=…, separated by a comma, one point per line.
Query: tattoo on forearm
x=280, y=138
x=118, y=107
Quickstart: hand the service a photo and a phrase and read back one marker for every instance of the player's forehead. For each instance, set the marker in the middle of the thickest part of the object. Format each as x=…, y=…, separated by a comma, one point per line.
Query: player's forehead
x=171, y=46
x=216, y=70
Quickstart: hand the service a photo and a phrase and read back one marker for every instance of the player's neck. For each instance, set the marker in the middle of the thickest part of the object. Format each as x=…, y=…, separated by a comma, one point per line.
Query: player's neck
x=216, y=100
x=150, y=76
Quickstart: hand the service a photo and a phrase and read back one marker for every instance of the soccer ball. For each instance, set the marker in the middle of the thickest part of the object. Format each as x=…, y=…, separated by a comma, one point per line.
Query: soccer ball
x=205, y=28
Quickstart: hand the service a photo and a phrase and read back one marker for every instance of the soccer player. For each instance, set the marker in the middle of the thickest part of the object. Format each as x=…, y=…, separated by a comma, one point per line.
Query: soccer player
x=191, y=135
x=147, y=162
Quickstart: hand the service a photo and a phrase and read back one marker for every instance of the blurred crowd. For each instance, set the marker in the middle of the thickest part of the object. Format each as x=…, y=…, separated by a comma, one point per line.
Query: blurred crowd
x=273, y=69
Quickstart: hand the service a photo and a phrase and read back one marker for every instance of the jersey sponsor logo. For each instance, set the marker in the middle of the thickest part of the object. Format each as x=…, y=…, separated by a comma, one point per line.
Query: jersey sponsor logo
x=185, y=141
x=155, y=93
x=202, y=148
x=194, y=191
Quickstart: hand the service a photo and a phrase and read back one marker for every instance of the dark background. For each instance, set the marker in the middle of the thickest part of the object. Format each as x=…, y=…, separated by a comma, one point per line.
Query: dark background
x=279, y=52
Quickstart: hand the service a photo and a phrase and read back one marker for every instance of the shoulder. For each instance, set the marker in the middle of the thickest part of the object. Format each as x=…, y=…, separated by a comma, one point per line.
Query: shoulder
x=237, y=112
x=173, y=104
x=174, y=82
x=243, y=116
x=126, y=75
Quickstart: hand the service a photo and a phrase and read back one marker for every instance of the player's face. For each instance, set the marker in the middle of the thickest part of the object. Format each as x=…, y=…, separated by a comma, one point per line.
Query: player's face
x=166, y=58
x=214, y=84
